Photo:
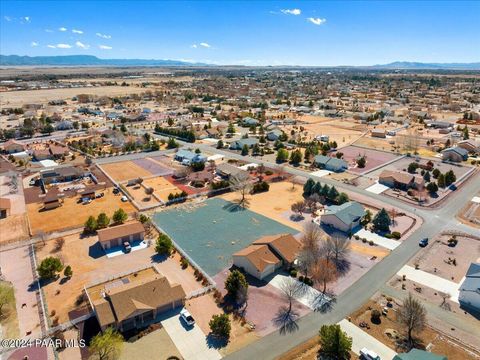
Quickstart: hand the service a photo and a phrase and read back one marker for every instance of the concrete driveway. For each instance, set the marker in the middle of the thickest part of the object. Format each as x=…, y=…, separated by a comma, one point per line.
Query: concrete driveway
x=360, y=339
x=432, y=281
x=191, y=342
x=377, y=239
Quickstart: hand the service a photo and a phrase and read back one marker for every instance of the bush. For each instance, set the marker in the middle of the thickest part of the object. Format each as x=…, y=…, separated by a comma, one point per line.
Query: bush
x=375, y=317
x=356, y=237
x=300, y=278
x=293, y=272
x=269, y=172
x=371, y=243
x=260, y=187
x=164, y=245
x=49, y=267
x=220, y=325
x=184, y=263
x=396, y=235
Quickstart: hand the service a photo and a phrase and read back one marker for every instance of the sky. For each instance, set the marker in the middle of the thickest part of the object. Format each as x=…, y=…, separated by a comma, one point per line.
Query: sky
x=324, y=33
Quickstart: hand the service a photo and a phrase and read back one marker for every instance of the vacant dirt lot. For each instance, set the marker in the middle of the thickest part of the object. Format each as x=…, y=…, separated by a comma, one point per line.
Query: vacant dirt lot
x=89, y=263
x=141, y=198
x=71, y=214
x=374, y=158
x=17, y=228
x=124, y=170
x=18, y=98
x=439, y=344
x=162, y=187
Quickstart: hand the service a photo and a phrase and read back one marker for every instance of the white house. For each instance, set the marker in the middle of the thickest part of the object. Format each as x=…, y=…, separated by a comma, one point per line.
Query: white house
x=345, y=217
x=470, y=289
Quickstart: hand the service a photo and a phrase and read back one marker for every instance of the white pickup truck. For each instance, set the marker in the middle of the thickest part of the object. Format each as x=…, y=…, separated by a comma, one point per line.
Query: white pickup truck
x=368, y=354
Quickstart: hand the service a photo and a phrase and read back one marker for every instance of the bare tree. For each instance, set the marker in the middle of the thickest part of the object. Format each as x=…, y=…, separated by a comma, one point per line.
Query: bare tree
x=59, y=244
x=413, y=316
x=299, y=208
x=291, y=289
x=445, y=305
x=339, y=247
x=323, y=272
x=312, y=235
x=241, y=185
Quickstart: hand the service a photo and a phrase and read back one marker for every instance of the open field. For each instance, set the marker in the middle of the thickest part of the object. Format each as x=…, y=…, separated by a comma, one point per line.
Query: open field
x=211, y=231
x=89, y=264
x=17, y=228
x=162, y=187
x=439, y=344
x=153, y=167
x=342, y=135
x=124, y=170
x=19, y=98
x=71, y=214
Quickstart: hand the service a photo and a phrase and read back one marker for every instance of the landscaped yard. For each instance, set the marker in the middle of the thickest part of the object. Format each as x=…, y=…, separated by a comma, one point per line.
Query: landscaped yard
x=71, y=214
x=210, y=232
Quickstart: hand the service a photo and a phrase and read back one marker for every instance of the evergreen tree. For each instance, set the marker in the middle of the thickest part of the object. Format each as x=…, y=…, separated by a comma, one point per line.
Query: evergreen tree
x=245, y=150
x=332, y=194
x=308, y=187
x=441, y=181
x=382, y=221
x=317, y=188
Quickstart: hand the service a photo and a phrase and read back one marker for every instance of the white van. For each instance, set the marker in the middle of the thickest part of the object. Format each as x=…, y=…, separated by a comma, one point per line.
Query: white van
x=368, y=354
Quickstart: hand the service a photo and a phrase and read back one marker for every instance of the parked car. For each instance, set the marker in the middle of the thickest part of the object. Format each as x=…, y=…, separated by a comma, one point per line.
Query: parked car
x=116, y=191
x=97, y=196
x=187, y=317
x=423, y=242
x=86, y=201
x=127, y=247
x=368, y=354
x=124, y=198
x=32, y=182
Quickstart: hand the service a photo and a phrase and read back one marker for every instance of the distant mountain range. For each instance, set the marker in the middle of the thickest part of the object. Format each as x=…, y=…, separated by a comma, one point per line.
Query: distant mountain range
x=90, y=60
x=407, y=65
x=86, y=60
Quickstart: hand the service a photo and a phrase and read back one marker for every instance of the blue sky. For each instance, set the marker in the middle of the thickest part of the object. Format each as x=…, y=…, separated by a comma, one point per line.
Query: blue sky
x=246, y=32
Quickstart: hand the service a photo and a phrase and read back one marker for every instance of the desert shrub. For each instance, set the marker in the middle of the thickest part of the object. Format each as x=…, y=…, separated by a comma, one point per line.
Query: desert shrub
x=184, y=263
x=396, y=235
x=375, y=317
x=293, y=273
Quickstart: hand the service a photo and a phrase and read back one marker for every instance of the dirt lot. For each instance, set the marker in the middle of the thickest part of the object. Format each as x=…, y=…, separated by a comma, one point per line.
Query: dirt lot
x=17, y=228
x=433, y=258
x=19, y=98
x=162, y=187
x=71, y=214
x=90, y=264
x=374, y=158
x=375, y=143
x=143, y=200
x=155, y=345
x=124, y=170
x=343, y=135
x=470, y=214
x=439, y=343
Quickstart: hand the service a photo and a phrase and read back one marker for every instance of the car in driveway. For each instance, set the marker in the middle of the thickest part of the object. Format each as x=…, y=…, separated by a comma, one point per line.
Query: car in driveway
x=187, y=317
x=423, y=242
x=127, y=247
x=124, y=198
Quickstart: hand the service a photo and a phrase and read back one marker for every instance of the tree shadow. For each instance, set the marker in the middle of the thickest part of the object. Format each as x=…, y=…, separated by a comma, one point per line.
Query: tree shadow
x=216, y=342
x=286, y=320
x=233, y=207
x=158, y=258
x=343, y=266
x=324, y=302
x=297, y=217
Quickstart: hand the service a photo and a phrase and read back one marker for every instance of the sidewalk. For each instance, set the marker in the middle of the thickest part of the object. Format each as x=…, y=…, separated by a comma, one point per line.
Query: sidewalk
x=431, y=281
x=362, y=339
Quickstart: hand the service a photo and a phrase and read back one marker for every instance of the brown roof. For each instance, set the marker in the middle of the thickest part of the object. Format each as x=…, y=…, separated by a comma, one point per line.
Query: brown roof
x=398, y=176
x=5, y=203
x=126, y=300
x=284, y=245
x=12, y=142
x=58, y=150
x=115, y=232
x=259, y=255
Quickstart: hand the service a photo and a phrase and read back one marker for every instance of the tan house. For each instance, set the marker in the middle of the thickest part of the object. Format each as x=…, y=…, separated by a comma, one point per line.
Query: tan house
x=117, y=235
x=5, y=207
x=401, y=180
x=134, y=301
x=13, y=146
x=267, y=254
x=470, y=145
x=379, y=133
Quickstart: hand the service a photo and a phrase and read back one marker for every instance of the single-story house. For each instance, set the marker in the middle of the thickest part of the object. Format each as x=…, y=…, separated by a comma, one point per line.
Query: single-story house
x=401, y=180
x=227, y=171
x=52, y=200
x=417, y=354
x=470, y=289
x=330, y=163
x=58, y=151
x=187, y=157
x=13, y=146
x=455, y=154
x=61, y=174
x=42, y=154
x=267, y=254
x=5, y=207
x=238, y=144
x=117, y=235
x=379, y=133
x=345, y=217
x=470, y=145
x=274, y=134
x=248, y=121
x=134, y=301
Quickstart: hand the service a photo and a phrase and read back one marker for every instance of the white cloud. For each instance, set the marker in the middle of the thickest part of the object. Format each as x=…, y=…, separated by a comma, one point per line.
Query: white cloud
x=291, y=11
x=75, y=31
x=7, y=18
x=104, y=47
x=34, y=44
x=205, y=45
x=194, y=46
x=104, y=36
x=48, y=30
x=25, y=19
x=317, y=21
x=62, y=29
x=51, y=46
x=82, y=45
x=64, y=46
